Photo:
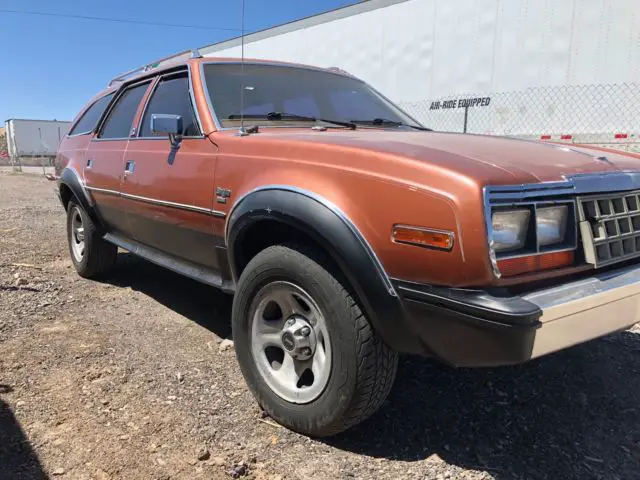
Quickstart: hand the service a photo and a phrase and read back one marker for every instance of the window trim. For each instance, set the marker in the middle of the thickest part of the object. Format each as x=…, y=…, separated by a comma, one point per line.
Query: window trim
x=214, y=116
x=120, y=92
x=86, y=110
x=157, y=80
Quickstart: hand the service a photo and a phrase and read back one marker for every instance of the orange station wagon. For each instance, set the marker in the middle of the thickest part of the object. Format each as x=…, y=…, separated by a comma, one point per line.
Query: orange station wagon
x=347, y=231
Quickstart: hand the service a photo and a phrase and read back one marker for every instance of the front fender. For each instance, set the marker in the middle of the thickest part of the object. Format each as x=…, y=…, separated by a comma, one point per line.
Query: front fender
x=334, y=231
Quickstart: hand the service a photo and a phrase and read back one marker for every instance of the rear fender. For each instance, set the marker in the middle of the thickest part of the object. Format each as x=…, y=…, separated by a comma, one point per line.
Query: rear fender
x=73, y=182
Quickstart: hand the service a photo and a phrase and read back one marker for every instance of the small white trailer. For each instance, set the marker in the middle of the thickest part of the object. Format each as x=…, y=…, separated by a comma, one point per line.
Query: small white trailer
x=35, y=139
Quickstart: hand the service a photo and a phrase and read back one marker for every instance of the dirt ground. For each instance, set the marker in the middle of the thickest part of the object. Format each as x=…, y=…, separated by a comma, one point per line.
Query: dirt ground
x=127, y=379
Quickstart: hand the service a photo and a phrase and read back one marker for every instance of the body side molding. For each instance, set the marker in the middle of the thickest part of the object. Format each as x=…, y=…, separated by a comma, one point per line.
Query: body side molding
x=164, y=203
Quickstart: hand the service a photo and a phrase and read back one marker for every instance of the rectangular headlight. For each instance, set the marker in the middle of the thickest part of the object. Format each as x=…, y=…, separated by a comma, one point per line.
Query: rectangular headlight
x=510, y=228
x=551, y=225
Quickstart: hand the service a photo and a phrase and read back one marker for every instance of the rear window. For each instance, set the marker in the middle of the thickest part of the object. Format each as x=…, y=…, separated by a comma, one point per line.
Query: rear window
x=91, y=116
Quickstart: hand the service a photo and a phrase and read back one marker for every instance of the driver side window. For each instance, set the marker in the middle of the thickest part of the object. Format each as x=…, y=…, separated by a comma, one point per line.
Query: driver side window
x=171, y=96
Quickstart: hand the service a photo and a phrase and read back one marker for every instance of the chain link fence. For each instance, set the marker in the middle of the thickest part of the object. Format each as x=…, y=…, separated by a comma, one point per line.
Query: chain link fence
x=604, y=114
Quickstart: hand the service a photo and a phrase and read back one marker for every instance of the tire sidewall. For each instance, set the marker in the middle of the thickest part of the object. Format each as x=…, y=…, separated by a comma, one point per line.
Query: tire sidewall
x=334, y=401
x=82, y=265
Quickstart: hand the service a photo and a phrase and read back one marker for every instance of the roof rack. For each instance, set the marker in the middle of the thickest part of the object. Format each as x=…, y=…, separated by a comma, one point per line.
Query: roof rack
x=194, y=53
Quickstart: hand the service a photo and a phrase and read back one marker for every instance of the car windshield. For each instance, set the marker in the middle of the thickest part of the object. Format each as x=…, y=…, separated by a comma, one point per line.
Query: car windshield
x=292, y=96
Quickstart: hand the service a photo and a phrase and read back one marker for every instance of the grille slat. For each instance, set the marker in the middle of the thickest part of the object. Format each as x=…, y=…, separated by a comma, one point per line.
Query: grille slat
x=610, y=227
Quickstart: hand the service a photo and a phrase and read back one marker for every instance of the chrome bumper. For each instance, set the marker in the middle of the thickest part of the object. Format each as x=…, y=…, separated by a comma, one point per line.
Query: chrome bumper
x=586, y=309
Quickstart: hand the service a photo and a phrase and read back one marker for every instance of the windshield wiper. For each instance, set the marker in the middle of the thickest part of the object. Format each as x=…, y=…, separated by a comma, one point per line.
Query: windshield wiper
x=392, y=123
x=293, y=116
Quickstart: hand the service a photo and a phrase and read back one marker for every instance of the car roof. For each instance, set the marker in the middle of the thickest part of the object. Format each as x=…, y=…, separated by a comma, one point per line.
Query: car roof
x=185, y=58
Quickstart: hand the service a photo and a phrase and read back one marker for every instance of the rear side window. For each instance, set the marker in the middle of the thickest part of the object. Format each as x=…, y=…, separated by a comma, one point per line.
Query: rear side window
x=90, y=117
x=171, y=97
x=120, y=118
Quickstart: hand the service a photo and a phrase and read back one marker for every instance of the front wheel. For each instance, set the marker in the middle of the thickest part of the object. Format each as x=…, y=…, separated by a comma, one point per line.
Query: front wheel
x=308, y=353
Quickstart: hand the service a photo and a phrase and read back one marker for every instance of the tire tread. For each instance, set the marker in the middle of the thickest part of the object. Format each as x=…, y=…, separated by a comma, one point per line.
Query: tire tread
x=100, y=255
x=376, y=363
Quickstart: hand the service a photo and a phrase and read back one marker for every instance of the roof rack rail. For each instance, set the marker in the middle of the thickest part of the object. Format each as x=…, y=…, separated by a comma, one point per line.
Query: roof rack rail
x=194, y=53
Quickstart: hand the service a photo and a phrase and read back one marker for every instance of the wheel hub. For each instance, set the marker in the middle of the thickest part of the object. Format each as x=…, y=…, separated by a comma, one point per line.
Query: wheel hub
x=290, y=342
x=77, y=235
x=298, y=338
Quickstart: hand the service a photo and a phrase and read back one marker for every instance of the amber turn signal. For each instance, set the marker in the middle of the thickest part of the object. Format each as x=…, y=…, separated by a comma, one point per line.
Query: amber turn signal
x=534, y=263
x=422, y=237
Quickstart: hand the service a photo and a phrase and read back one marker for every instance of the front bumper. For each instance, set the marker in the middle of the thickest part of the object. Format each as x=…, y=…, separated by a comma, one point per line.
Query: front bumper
x=474, y=328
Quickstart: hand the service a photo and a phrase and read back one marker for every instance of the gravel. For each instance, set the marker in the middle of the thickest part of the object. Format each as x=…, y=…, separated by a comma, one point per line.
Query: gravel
x=128, y=378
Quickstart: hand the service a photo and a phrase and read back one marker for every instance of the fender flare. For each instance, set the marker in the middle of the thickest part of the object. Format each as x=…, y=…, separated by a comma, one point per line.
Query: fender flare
x=337, y=234
x=73, y=182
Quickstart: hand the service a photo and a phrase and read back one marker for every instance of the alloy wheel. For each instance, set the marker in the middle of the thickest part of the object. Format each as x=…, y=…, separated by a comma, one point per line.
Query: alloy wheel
x=290, y=342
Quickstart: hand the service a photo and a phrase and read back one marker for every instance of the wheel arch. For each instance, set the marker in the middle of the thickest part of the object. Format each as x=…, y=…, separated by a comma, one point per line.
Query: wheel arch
x=70, y=186
x=274, y=214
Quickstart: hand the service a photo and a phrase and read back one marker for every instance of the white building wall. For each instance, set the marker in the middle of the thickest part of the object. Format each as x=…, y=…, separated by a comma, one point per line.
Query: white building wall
x=420, y=50
x=438, y=47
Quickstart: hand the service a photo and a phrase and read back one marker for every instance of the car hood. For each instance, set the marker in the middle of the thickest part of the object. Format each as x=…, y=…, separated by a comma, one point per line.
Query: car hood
x=481, y=157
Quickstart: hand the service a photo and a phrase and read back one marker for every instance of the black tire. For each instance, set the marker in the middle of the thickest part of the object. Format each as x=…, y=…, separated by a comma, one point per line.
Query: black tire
x=99, y=256
x=363, y=367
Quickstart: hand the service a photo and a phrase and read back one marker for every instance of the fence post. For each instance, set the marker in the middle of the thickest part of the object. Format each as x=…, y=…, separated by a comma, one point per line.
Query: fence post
x=466, y=119
x=15, y=163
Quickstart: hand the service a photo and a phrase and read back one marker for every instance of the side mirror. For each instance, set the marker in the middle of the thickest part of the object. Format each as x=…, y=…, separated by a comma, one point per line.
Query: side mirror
x=166, y=124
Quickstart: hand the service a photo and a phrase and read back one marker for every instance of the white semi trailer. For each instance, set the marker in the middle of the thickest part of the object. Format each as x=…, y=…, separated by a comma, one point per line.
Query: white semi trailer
x=34, y=139
x=557, y=70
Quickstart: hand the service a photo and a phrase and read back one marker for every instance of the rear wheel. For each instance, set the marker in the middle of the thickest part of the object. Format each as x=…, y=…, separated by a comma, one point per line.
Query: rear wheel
x=91, y=255
x=308, y=353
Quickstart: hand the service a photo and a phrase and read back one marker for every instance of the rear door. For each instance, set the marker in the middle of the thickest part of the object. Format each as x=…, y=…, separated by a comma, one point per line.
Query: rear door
x=74, y=144
x=170, y=191
x=104, y=158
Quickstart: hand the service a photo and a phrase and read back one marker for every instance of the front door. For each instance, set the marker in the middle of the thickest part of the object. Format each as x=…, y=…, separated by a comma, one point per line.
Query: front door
x=170, y=191
x=104, y=159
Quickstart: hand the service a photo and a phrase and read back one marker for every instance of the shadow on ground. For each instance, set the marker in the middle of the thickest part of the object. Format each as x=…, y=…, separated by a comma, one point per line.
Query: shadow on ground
x=574, y=414
x=200, y=303
x=17, y=458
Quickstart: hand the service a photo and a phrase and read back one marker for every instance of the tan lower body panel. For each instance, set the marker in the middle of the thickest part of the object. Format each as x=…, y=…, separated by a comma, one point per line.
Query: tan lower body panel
x=585, y=319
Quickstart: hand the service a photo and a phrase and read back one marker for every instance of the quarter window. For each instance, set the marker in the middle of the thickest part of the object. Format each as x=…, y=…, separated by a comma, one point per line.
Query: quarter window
x=90, y=117
x=119, y=120
x=171, y=97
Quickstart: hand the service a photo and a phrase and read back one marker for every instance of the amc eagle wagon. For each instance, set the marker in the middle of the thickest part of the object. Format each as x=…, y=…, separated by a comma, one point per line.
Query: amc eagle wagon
x=347, y=231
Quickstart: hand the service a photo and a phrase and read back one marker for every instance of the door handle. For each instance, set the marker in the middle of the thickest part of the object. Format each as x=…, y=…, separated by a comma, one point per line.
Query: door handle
x=90, y=163
x=129, y=167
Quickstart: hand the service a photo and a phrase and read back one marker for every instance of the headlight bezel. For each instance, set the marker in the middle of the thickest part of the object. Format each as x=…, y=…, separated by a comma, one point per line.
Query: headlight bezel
x=532, y=244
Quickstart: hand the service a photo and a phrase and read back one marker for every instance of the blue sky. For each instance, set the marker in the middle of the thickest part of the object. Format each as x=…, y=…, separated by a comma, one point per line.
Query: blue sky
x=50, y=66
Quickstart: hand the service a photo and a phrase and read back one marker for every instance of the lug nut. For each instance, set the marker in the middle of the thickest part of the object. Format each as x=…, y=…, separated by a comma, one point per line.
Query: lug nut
x=305, y=331
x=305, y=351
x=291, y=321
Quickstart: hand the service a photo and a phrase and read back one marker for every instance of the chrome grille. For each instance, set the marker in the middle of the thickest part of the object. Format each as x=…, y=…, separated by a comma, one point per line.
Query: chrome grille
x=610, y=227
